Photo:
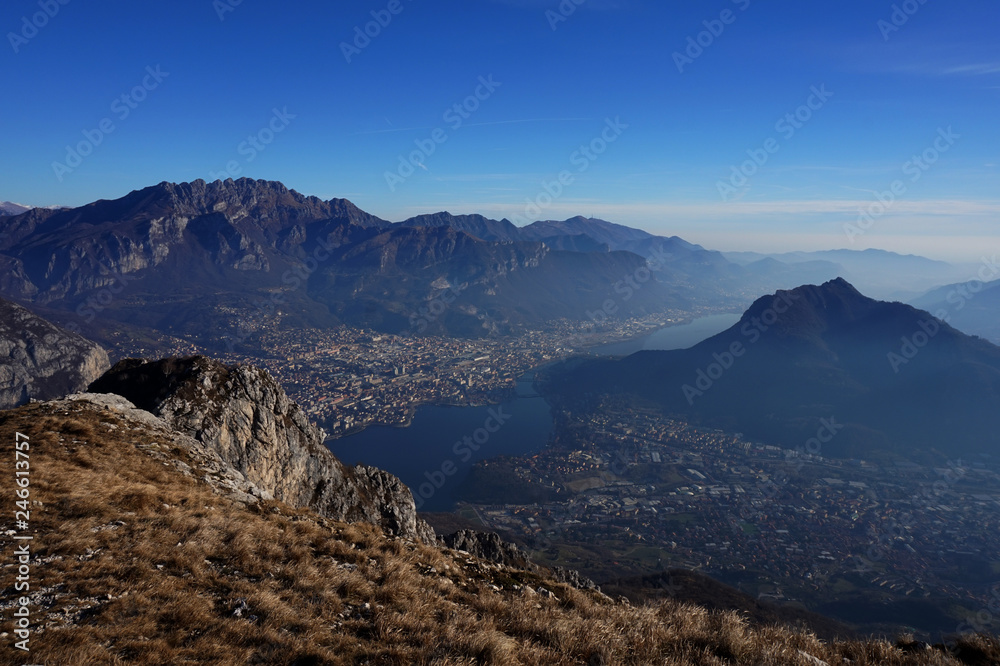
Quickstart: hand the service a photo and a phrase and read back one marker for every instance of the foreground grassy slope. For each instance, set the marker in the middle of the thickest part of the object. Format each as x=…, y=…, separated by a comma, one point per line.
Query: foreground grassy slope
x=140, y=559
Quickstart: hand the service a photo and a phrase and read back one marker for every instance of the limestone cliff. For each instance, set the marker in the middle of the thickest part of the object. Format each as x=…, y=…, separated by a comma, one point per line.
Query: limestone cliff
x=245, y=415
x=40, y=360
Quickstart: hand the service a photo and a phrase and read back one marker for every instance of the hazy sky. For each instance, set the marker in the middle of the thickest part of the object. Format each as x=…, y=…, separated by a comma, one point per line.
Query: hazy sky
x=671, y=116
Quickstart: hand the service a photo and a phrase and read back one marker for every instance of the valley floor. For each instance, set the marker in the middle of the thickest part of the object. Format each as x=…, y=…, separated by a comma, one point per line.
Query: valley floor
x=843, y=537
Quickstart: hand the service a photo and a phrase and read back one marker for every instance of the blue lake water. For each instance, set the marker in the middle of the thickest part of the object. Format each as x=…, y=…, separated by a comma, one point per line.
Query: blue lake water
x=434, y=454
x=672, y=337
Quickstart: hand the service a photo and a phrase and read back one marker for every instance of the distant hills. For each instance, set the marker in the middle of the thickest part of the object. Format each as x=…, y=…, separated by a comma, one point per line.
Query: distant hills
x=822, y=369
x=881, y=274
x=973, y=307
x=217, y=261
x=11, y=208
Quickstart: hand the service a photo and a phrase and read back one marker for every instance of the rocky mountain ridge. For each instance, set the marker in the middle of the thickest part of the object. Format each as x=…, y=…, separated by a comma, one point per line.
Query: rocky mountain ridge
x=245, y=416
x=223, y=258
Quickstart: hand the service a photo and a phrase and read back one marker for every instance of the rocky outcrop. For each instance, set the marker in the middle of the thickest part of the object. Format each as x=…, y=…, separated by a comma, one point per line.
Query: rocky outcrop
x=487, y=546
x=246, y=417
x=573, y=578
x=203, y=462
x=41, y=361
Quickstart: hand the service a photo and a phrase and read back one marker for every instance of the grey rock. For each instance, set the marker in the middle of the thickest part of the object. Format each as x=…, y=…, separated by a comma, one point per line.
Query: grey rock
x=573, y=578
x=244, y=415
x=41, y=361
x=211, y=468
x=487, y=546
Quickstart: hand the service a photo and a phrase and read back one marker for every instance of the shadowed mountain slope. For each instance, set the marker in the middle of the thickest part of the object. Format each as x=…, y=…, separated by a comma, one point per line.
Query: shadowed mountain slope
x=888, y=376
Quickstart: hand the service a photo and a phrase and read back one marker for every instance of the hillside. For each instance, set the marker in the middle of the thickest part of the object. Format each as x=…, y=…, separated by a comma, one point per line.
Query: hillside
x=147, y=549
x=244, y=415
x=972, y=307
x=891, y=377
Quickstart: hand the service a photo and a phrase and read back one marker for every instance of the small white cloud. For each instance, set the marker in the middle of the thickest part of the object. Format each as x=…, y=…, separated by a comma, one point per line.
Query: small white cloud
x=977, y=69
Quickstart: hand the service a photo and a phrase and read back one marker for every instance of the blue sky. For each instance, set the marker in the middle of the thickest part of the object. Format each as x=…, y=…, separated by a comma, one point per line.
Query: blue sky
x=200, y=78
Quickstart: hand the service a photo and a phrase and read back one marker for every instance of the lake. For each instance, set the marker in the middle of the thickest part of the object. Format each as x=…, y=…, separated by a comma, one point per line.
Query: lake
x=681, y=336
x=435, y=453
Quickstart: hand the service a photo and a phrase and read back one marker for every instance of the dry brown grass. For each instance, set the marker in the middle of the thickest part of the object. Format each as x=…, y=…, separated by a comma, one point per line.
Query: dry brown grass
x=188, y=576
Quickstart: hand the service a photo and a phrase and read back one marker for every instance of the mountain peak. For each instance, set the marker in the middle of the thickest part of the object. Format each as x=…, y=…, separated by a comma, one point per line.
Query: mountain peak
x=11, y=208
x=800, y=355
x=809, y=309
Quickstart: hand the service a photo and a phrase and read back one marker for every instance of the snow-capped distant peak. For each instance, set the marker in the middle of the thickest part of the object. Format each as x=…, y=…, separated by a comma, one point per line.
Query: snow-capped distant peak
x=11, y=208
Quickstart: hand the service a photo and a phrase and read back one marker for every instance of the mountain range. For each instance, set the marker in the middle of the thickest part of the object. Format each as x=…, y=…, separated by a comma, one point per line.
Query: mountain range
x=217, y=262
x=881, y=274
x=972, y=306
x=11, y=208
x=822, y=369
